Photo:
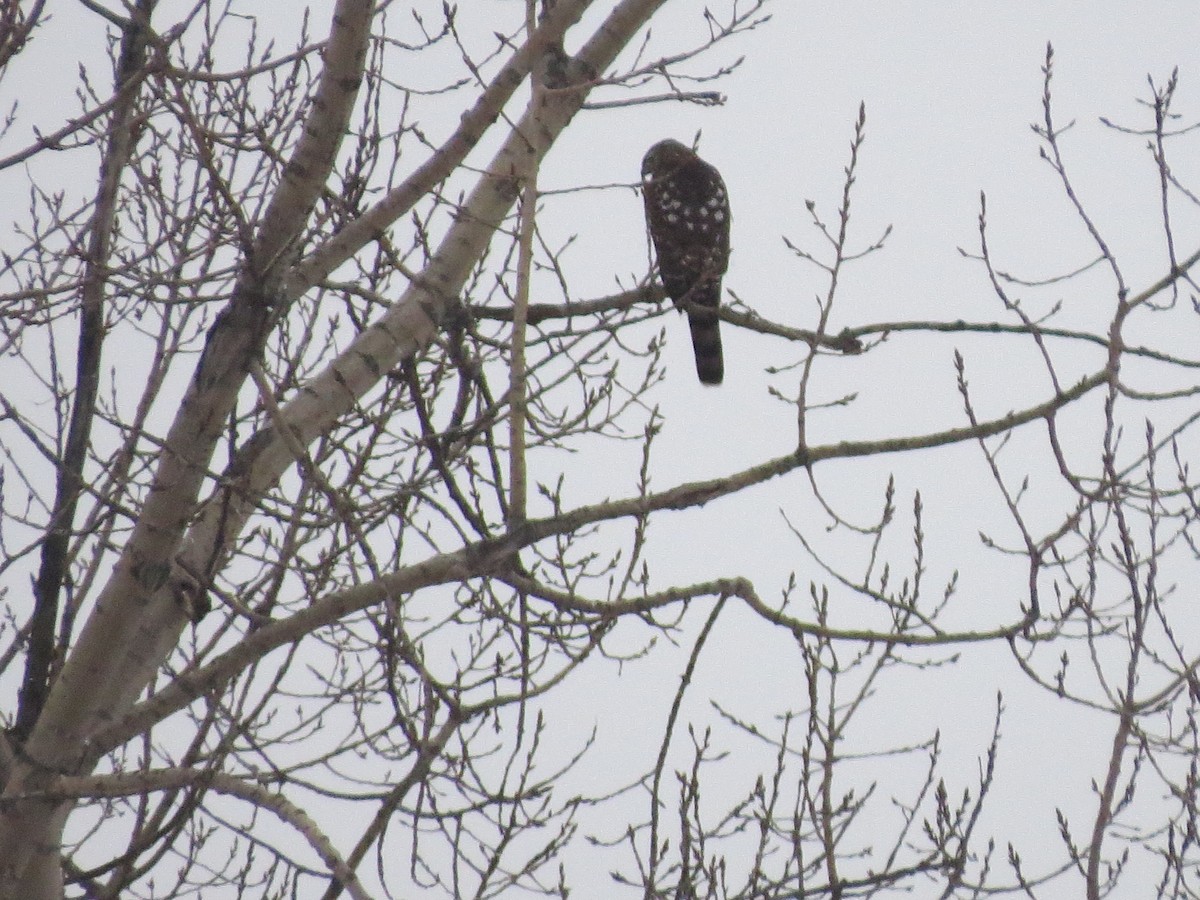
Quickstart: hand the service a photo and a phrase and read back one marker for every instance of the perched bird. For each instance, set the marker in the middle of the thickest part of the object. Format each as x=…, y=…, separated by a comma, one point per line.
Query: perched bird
x=687, y=216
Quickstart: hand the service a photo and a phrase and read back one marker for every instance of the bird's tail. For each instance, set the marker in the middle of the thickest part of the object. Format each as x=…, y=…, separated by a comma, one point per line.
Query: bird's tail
x=706, y=344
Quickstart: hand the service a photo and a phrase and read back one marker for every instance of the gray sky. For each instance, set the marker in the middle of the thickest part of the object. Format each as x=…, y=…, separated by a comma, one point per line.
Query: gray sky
x=950, y=91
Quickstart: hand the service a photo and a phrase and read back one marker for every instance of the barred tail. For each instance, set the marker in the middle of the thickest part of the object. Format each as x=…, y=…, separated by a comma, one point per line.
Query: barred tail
x=706, y=343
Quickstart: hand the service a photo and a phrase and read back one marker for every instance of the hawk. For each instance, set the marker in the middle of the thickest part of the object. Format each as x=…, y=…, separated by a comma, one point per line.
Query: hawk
x=687, y=216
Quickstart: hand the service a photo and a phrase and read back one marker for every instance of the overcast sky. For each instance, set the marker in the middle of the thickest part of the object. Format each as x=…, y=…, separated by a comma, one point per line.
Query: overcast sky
x=950, y=91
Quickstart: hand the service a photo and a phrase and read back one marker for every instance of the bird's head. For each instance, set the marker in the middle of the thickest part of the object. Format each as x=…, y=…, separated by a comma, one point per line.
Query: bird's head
x=665, y=157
